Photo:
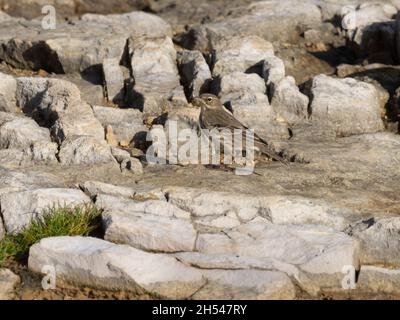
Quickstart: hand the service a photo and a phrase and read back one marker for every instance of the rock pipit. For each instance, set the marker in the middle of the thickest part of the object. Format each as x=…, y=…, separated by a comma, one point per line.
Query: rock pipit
x=214, y=115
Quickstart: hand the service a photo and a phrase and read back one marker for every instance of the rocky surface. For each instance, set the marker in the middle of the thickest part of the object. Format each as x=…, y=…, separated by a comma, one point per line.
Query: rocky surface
x=319, y=80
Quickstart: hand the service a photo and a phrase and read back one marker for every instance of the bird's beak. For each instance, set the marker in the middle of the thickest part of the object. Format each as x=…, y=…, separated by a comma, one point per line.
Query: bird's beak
x=197, y=102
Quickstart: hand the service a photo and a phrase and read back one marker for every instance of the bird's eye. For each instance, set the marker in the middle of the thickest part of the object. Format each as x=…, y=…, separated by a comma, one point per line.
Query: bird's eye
x=209, y=99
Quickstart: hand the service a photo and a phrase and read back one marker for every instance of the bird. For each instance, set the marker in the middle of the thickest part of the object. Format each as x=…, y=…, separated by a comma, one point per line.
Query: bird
x=213, y=114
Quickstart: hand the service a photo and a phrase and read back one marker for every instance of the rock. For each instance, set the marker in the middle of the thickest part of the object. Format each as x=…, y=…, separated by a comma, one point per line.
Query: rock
x=16, y=180
x=12, y=158
x=94, y=188
x=246, y=284
x=139, y=24
x=194, y=71
x=22, y=133
x=152, y=226
x=58, y=105
x=276, y=209
x=246, y=94
x=288, y=102
x=353, y=108
x=8, y=88
x=44, y=151
x=114, y=80
x=154, y=82
x=77, y=124
x=126, y=124
x=89, y=41
x=8, y=283
x=6, y=117
x=377, y=280
x=280, y=21
x=379, y=241
x=2, y=231
x=241, y=54
x=273, y=70
x=19, y=208
x=132, y=164
x=319, y=253
x=84, y=150
x=370, y=28
x=118, y=267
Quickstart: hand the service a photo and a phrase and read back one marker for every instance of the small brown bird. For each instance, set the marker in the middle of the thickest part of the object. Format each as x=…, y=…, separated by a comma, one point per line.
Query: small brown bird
x=214, y=115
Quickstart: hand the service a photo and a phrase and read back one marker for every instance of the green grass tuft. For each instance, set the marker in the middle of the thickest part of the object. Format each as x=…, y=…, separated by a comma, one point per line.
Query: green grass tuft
x=56, y=221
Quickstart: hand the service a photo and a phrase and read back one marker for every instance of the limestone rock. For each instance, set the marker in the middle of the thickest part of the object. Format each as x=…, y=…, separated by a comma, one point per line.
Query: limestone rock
x=19, y=208
x=126, y=124
x=152, y=226
x=378, y=280
x=241, y=54
x=118, y=267
x=246, y=284
x=347, y=105
x=84, y=150
x=8, y=88
x=379, y=241
x=8, y=282
x=194, y=71
x=288, y=102
x=22, y=133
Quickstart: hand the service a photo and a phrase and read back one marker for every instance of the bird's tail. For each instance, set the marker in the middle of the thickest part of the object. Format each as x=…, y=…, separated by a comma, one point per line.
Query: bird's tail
x=265, y=149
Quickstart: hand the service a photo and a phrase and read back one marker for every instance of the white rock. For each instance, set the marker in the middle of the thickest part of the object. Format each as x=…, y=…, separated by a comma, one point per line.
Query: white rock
x=357, y=20
x=114, y=79
x=146, y=227
x=93, y=188
x=79, y=123
x=84, y=150
x=347, y=105
x=19, y=208
x=104, y=265
x=8, y=88
x=148, y=206
x=246, y=284
x=22, y=133
x=194, y=71
x=380, y=242
x=132, y=164
x=378, y=280
x=8, y=282
x=2, y=230
x=319, y=253
x=288, y=102
x=44, y=151
x=155, y=72
x=137, y=23
x=273, y=70
x=127, y=124
x=239, y=54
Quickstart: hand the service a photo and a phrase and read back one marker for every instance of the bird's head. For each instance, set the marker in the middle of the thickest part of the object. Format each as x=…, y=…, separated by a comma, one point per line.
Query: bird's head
x=207, y=101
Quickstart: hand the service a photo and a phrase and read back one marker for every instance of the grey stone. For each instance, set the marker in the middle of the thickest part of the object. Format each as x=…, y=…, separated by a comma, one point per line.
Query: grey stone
x=127, y=124
x=152, y=226
x=354, y=107
x=288, y=102
x=195, y=72
x=8, y=283
x=19, y=208
x=84, y=150
x=22, y=133
x=118, y=267
x=8, y=88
